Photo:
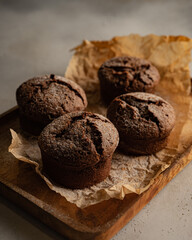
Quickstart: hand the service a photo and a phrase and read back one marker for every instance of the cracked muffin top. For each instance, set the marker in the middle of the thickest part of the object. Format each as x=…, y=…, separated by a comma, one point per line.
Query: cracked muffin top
x=141, y=116
x=127, y=74
x=79, y=139
x=47, y=97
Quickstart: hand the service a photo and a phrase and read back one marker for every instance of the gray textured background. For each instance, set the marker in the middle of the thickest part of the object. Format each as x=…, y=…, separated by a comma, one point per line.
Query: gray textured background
x=35, y=38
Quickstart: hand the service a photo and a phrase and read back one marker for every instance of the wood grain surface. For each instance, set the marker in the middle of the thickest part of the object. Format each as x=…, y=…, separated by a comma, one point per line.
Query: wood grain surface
x=20, y=184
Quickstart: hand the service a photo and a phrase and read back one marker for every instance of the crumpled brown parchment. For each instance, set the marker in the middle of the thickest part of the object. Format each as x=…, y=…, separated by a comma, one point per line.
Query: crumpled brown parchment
x=171, y=55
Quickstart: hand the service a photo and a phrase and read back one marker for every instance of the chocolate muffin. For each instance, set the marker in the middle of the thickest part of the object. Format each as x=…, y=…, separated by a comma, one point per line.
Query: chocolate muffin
x=42, y=99
x=143, y=120
x=77, y=148
x=126, y=74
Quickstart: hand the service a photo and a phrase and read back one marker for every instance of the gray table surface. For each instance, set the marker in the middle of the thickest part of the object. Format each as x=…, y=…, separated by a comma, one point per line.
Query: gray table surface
x=35, y=38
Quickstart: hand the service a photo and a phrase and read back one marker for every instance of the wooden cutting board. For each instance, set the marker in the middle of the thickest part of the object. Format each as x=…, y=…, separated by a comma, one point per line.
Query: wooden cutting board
x=20, y=184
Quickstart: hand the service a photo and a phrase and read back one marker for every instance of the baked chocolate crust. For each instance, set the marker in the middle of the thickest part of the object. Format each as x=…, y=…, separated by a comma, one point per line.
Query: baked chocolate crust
x=122, y=75
x=45, y=98
x=77, y=149
x=143, y=120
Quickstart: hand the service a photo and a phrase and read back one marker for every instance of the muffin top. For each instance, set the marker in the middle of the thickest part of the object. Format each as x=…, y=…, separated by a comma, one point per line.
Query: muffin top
x=128, y=74
x=79, y=139
x=141, y=116
x=47, y=97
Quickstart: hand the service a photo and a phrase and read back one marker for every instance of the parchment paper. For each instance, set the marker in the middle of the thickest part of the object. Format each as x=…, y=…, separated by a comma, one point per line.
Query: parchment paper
x=171, y=55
